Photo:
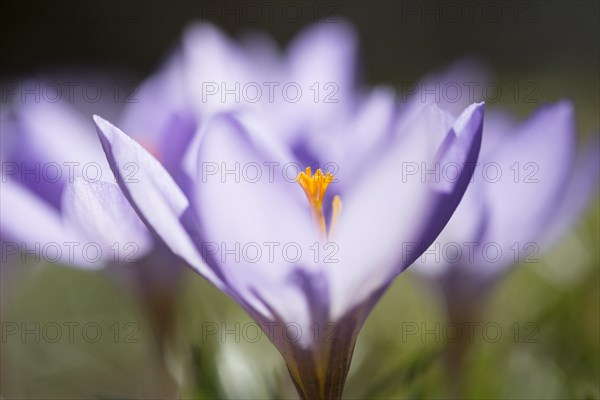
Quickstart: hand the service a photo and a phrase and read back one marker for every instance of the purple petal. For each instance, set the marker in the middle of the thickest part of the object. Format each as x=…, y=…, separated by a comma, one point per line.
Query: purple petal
x=249, y=209
x=152, y=192
x=326, y=56
x=410, y=213
x=581, y=190
x=541, y=152
x=160, y=99
x=48, y=133
x=26, y=217
x=211, y=60
x=103, y=215
x=37, y=227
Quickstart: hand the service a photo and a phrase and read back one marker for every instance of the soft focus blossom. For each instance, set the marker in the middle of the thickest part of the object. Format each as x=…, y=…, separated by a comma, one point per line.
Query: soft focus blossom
x=545, y=185
x=530, y=186
x=60, y=202
x=349, y=227
x=310, y=86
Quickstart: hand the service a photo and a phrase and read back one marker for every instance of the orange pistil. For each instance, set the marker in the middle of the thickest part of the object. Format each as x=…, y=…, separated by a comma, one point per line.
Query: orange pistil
x=314, y=187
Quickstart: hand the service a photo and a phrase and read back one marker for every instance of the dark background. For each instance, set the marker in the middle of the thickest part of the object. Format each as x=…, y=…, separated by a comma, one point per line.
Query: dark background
x=553, y=43
x=403, y=37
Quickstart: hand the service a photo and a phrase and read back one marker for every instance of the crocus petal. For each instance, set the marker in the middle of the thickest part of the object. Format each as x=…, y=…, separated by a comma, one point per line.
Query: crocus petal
x=324, y=53
x=47, y=133
x=426, y=119
x=465, y=228
x=375, y=246
x=358, y=137
x=35, y=226
x=159, y=116
x=213, y=65
x=409, y=202
x=372, y=123
x=521, y=204
x=26, y=217
x=156, y=197
x=53, y=130
x=460, y=149
x=468, y=221
x=321, y=61
x=102, y=214
x=581, y=190
x=237, y=210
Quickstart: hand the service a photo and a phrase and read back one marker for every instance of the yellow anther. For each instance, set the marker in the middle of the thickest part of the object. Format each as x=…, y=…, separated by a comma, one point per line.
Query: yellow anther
x=314, y=187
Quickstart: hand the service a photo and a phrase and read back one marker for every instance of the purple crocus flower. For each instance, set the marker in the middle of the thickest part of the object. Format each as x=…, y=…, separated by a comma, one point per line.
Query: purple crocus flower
x=51, y=161
x=209, y=73
x=39, y=175
x=307, y=254
x=529, y=188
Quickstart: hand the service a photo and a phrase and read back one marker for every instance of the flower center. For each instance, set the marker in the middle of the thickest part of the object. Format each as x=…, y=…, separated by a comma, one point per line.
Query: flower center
x=314, y=187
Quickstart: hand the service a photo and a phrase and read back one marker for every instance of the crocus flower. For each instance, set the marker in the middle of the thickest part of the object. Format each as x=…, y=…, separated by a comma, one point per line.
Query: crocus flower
x=209, y=73
x=39, y=173
x=53, y=160
x=529, y=188
x=343, y=229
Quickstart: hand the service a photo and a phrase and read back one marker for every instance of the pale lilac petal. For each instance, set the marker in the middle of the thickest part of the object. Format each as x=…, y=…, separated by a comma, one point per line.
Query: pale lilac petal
x=325, y=55
x=35, y=226
x=372, y=124
x=26, y=217
x=542, y=153
x=245, y=209
x=497, y=128
x=377, y=217
x=426, y=119
x=358, y=137
x=460, y=149
x=581, y=190
x=102, y=214
x=43, y=160
x=465, y=228
x=148, y=116
x=53, y=130
x=213, y=65
x=389, y=204
x=455, y=149
x=153, y=193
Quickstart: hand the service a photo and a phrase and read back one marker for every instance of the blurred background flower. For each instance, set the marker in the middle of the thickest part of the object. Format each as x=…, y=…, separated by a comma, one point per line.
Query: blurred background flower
x=547, y=312
x=53, y=159
x=530, y=186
